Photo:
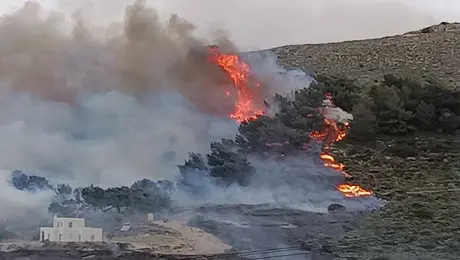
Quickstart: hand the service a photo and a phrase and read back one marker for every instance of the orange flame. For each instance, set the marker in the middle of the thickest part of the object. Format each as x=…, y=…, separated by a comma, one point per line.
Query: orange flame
x=335, y=132
x=353, y=190
x=329, y=161
x=239, y=72
x=245, y=109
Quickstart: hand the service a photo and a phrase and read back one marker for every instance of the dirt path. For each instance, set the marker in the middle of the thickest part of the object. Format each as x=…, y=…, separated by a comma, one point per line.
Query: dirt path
x=174, y=237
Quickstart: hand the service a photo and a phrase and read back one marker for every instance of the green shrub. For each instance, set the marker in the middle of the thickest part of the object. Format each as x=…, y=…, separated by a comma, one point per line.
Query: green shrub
x=364, y=125
x=344, y=91
x=434, y=106
x=227, y=165
x=402, y=105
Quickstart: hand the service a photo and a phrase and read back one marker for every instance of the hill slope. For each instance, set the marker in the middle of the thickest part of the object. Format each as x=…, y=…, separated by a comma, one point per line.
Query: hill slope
x=429, y=53
x=418, y=174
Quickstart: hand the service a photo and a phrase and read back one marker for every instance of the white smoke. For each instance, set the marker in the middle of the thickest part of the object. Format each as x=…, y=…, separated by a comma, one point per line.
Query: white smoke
x=296, y=182
x=82, y=108
x=335, y=113
x=109, y=139
x=18, y=205
x=87, y=101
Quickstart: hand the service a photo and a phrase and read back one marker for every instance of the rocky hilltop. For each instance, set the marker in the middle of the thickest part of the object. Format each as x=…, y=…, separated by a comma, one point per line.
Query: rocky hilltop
x=431, y=53
x=439, y=28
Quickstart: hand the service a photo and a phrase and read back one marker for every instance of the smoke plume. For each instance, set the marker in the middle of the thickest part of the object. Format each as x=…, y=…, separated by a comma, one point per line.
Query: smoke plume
x=109, y=99
x=83, y=103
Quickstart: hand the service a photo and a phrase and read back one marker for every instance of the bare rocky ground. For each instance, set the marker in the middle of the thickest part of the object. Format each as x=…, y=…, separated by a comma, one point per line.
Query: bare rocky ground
x=431, y=54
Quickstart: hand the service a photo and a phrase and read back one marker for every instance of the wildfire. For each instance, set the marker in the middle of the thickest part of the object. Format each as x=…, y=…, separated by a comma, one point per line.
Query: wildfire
x=239, y=73
x=329, y=161
x=334, y=131
x=351, y=191
x=245, y=109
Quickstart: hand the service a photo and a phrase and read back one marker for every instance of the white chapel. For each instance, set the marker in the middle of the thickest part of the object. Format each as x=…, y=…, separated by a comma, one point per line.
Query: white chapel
x=70, y=230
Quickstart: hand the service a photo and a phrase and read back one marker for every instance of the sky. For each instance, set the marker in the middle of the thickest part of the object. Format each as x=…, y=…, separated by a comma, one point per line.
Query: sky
x=260, y=24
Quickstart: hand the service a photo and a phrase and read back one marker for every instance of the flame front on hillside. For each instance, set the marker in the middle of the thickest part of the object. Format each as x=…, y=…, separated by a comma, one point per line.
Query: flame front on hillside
x=335, y=130
x=246, y=108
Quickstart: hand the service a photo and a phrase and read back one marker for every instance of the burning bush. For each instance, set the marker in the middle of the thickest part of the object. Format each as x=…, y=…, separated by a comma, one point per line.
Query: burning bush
x=398, y=106
x=275, y=128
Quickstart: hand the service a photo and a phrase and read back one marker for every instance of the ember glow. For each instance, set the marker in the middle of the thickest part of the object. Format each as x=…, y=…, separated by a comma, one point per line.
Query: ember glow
x=335, y=131
x=239, y=73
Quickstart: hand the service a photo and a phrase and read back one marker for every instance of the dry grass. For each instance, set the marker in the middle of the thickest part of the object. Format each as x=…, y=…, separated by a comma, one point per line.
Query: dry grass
x=420, y=178
x=414, y=225
x=421, y=55
x=175, y=237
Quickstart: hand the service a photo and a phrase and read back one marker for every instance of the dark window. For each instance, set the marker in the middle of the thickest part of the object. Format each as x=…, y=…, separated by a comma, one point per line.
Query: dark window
x=70, y=224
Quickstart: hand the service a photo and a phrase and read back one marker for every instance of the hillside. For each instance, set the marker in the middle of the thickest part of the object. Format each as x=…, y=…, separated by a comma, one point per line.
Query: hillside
x=430, y=53
x=418, y=173
x=403, y=145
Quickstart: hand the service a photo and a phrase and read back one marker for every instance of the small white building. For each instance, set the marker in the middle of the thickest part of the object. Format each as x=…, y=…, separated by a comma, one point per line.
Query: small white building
x=70, y=230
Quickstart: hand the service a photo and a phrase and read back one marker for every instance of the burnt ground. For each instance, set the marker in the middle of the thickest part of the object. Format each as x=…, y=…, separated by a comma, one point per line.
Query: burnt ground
x=255, y=232
x=418, y=176
x=261, y=231
x=273, y=233
x=97, y=255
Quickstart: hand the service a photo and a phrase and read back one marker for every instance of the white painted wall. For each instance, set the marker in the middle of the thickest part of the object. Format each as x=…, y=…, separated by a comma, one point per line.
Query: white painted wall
x=70, y=230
